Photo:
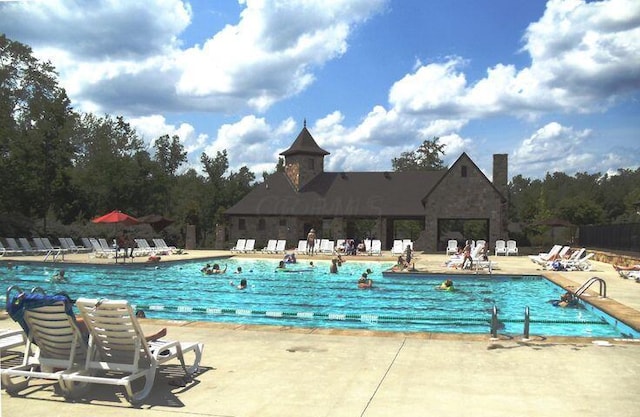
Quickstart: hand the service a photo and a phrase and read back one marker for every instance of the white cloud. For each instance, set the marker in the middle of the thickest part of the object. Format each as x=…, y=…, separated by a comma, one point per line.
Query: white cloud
x=553, y=148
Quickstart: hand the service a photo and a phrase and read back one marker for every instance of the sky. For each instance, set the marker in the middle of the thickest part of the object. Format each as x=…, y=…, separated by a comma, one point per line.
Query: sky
x=555, y=85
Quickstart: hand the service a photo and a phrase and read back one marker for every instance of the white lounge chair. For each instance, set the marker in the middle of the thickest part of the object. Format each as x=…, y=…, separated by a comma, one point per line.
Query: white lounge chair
x=376, y=247
x=281, y=246
x=162, y=246
x=271, y=246
x=452, y=247
x=55, y=344
x=10, y=339
x=249, y=246
x=512, y=247
x=501, y=247
x=327, y=246
x=302, y=247
x=239, y=247
x=397, y=248
x=119, y=354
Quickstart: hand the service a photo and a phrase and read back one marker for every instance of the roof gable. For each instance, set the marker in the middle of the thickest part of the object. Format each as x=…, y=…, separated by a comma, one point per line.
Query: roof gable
x=455, y=168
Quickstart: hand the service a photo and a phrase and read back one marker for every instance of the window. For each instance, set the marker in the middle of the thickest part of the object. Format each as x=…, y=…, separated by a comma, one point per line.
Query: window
x=463, y=171
x=283, y=222
x=312, y=163
x=262, y=224
x=242, y=224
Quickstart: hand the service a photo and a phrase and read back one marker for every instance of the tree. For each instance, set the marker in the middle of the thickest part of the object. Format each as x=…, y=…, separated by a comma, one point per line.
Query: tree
x=426, y=157
x=170, y=154
x=34, y=116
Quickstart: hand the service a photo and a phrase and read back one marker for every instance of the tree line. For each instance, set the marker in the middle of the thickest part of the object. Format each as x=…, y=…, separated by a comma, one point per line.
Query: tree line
x=60, y=168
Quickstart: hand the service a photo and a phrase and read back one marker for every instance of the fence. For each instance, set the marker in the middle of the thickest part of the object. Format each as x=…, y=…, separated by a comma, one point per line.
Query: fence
x=624, y=237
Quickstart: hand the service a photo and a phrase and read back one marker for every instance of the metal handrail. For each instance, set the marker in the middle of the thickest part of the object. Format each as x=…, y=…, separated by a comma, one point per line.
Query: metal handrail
x=590, y=282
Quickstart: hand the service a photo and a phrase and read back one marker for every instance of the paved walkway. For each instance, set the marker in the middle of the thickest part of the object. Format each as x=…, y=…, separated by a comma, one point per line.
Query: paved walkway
x=281, y=371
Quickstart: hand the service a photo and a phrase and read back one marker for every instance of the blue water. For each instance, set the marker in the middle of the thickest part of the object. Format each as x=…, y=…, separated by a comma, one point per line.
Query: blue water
x=311, y=297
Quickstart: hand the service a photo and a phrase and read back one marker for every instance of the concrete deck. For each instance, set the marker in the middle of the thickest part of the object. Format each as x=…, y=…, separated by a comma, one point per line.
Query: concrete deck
x=282, y=371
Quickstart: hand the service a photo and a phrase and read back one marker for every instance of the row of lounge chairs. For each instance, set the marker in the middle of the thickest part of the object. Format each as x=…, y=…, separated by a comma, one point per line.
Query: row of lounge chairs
x=112, y=350
x=98, y=247
x=502, y=247
x=559, y=258
x=323, y=246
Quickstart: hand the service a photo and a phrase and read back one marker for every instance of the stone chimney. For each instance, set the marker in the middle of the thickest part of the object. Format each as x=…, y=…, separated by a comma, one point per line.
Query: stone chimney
x=500, y=173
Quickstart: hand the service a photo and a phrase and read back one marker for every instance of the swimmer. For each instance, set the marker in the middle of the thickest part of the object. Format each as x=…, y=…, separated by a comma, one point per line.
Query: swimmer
x=364, y=281
x=566, y=300
x=215, y=269
x=140, y=314
x=239, y=270
x=311, y=265
x=205, y=269
x=446, y=285
x=59, y=277
x=281, y=265
x=241, y=286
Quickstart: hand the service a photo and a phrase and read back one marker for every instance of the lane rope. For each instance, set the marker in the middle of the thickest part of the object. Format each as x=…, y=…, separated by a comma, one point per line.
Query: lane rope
x=365, y=318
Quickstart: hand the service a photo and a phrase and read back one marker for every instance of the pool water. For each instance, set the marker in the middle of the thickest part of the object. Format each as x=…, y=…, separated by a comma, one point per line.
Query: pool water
x=311, y=297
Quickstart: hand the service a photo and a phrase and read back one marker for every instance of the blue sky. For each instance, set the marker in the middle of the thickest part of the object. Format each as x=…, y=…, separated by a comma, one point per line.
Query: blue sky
x=555, y=85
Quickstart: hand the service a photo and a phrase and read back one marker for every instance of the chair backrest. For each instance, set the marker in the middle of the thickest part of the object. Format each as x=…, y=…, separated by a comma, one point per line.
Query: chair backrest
x=500, y=244
x=26, y=246
x=376, y=246
x=452, y=244
x=116, y=338
x=49, y=323
x=240, y=244
x=13, y=244
x=302, y=245
x=281, y=245
x=271, y=245
x=250, y=245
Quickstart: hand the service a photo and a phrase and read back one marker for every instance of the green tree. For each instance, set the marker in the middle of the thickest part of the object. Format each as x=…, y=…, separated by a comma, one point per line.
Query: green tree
x=34, y=114
x=427, y=157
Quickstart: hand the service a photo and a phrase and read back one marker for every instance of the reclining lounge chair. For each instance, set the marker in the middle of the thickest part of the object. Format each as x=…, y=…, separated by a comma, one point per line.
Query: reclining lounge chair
x=119, y=354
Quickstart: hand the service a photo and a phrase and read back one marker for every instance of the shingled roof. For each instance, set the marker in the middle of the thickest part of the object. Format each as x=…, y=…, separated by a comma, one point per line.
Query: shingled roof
x=304, y=144
x=335, y=194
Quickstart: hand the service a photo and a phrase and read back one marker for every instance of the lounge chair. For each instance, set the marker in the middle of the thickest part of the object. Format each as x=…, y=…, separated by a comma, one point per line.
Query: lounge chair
x=501, y=247
x=302, y=247
x=326, y=246
x=376, y=247
x=239, y=247
x=249, y=246
x=512, y=247
x=543, y=258
x=14, y=247
x=397, y=248
x=27, y=248
x=10, y=339
x=271, y=246
x=161, y=245
x=119, y=354
x=452, y=247
x=9, y=250
x=55, y=344
x=281, y=246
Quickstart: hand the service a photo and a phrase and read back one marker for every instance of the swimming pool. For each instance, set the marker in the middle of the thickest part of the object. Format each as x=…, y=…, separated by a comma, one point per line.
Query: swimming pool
x=311, y=297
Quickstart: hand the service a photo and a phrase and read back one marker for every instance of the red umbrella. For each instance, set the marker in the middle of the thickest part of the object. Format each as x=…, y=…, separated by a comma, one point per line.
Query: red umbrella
x=116, y=216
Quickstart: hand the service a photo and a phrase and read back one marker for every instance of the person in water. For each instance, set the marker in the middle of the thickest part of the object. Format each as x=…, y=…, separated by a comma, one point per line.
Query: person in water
x=216, y=270
x=446, y=285
x=333, y=269
x=364, y=281
x=242, y=285
x=566, y=300
x=281, y=265
x=59, y=277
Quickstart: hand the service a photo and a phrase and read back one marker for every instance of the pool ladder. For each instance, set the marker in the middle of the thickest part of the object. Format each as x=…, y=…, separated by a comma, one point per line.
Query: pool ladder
x=590, y=282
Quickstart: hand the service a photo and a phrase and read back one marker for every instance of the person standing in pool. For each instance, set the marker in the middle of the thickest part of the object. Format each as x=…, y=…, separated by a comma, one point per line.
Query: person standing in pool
x=311, y=241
